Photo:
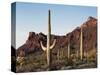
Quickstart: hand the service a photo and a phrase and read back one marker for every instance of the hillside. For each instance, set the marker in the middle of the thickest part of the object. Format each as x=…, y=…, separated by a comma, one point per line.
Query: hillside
x=35, y=57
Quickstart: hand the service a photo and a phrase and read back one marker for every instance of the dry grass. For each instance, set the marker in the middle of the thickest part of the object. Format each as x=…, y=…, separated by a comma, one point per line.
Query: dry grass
x=38, y=62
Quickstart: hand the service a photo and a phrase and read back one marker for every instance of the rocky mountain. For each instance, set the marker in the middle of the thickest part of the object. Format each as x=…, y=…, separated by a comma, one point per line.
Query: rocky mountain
x=89, y=28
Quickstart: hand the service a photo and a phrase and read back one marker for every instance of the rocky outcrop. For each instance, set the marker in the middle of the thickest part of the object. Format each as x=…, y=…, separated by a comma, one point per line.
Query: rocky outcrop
x=89, y=27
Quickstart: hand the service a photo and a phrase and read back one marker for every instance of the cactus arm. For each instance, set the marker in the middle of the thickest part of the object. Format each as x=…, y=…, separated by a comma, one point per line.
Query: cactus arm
x=44, y=48
x=52, y=46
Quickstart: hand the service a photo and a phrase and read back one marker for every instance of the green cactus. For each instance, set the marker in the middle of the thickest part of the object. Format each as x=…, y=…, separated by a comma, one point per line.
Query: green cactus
x=81, y=45
x=48, y=48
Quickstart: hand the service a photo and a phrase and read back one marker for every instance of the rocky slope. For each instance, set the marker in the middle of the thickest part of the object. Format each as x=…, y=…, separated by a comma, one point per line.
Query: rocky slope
x=89, y=27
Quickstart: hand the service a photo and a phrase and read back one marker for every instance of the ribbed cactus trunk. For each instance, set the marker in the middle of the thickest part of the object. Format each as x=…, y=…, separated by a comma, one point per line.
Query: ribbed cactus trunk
x=48, y=48
x=48, y=41
x=81, y=45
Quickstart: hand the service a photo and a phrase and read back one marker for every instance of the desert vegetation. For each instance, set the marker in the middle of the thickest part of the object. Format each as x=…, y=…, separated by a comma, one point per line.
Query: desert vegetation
x=76, y=50
x=32, y=63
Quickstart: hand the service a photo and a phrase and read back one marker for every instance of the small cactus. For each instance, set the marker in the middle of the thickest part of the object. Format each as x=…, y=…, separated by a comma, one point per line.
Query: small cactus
x=48, y=48
x=58, y=54
x=68, y=50
x=81, y=45
x=77, y=54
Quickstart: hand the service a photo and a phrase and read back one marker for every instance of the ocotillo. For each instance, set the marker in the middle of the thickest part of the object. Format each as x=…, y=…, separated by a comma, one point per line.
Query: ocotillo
x=81, y=45
x=48, y=48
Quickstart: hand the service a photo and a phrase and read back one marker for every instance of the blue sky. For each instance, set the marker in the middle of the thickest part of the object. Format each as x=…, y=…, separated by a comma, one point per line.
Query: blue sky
x=34, y=17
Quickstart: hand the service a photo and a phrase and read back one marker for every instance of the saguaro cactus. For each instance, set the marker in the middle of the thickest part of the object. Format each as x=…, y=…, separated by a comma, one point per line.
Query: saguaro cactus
x=81, y=45
x=58, y=54
x=68, y=50
x=48, y=48
x=77, y=54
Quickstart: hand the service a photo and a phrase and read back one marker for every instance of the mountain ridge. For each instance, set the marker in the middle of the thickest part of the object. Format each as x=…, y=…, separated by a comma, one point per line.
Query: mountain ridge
x=32, y=44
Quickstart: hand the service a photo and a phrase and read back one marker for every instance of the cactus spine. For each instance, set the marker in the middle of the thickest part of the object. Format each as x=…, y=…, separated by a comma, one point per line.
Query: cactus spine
x=81, y=45
x=48, y=48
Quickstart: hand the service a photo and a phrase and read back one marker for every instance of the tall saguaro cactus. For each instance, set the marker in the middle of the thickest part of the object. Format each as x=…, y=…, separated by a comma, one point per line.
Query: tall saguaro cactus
x=48, y=48
x=81, y=45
